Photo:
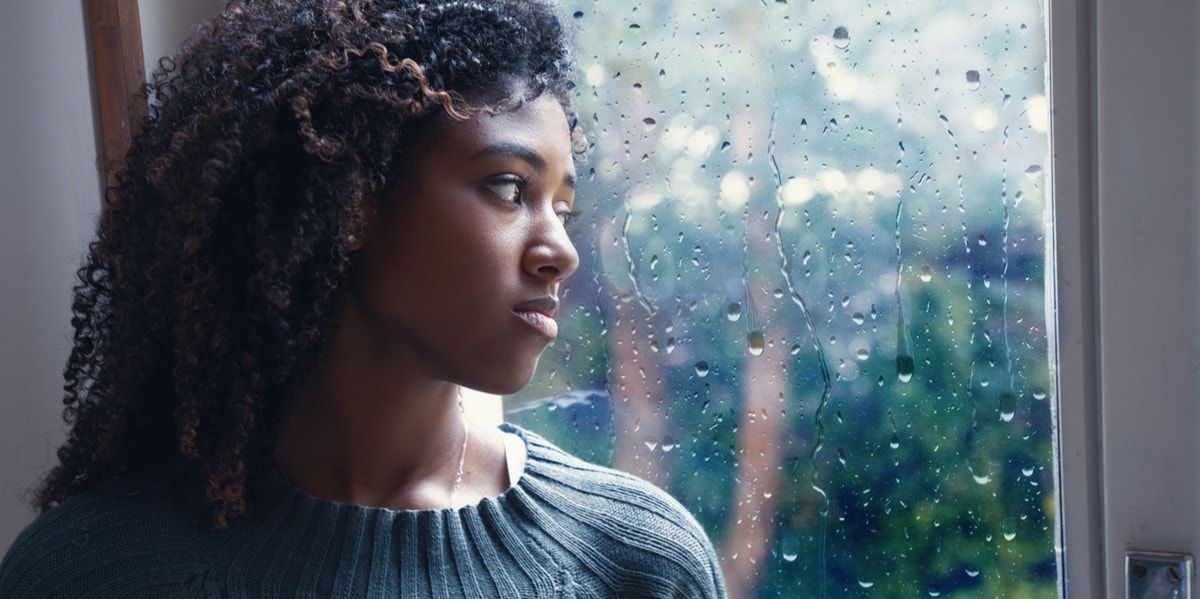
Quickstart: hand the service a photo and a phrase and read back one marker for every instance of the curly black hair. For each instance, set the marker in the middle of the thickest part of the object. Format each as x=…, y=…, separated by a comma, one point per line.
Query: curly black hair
x=212, y=286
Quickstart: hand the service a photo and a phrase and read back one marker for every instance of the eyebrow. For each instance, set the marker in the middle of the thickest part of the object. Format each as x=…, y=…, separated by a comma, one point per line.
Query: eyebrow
x=524, y=153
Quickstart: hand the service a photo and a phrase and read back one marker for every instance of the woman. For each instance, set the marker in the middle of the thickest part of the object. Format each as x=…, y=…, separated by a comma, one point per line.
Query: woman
x=335, y=215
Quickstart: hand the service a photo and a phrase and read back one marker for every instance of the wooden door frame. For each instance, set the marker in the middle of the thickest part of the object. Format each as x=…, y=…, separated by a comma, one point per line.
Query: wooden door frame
x=119, y=73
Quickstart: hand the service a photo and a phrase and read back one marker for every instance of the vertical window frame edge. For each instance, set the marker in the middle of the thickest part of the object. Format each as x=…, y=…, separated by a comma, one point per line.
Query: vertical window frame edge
x=1072, y=298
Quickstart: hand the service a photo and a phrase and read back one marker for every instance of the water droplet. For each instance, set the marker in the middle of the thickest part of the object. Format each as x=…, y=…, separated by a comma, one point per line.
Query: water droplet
x=858, y=318
x=1009, y=527
x=795, y=349
x=634, y=26
x=863, y=353
x=651, y=443
x=973, y=83
x=578, y=14
x=865, y=584
x=972, y=573
x=841, y=456
x=905, y=367
x=807, y=256
x=982, y=240
x=789, y=548
x=778, y=293
x=702, y=368
x=733, y=312
x=653, y=261
x=1033, y=171
x=670, y=344
x=979, y=471
x=756, y=342
x=841, y=38
x=895, y=442
x=649, y=123
x=926, y=274
x=1008, y=405
x=1027, y=471
x=933, y=593
x=1039, y=393
x=668, y=443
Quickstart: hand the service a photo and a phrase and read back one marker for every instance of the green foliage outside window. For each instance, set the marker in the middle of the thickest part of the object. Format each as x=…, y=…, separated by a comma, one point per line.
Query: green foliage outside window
x=812, y=295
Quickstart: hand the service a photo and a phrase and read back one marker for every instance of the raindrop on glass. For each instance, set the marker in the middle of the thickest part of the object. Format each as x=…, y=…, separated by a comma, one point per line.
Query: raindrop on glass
x=895, y=442
x=865, y=584
x=702, y=368
x=973, y=80
x=1033, y=171
x=905, y=367
x=978, y=468
x=651, y=443
x=841, y=38
x=789, y=548
x=863, y=353
x=733, y=312
x=982, y=240
x=653, y=261
x=649, y=123
x=858, y=318
x=926, y=274
x=756, y=342
x=1039, y=393
x=1008, y=405
x=668, y=443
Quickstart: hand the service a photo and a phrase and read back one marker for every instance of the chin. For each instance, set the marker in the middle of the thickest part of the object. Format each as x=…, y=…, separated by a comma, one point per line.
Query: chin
x=506, y=382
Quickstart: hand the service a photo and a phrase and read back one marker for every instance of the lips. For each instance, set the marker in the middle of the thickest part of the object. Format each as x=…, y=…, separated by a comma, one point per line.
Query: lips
x=539, y=314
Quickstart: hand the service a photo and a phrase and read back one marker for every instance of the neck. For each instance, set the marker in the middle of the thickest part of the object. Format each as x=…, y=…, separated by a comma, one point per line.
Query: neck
x=367, y=430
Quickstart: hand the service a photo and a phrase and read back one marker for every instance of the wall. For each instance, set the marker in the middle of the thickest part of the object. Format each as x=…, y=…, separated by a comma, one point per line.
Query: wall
x=50, y=197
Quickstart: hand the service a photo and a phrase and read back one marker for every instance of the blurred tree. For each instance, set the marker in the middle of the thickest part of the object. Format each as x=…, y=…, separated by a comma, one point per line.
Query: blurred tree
x=812, y=301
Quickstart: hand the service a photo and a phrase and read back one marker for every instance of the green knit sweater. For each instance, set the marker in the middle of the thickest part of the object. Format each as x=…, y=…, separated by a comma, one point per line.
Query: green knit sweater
x=567, y=529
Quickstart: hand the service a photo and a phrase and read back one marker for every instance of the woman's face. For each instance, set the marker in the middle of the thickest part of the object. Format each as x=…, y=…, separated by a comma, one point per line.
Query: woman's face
x=459, y=272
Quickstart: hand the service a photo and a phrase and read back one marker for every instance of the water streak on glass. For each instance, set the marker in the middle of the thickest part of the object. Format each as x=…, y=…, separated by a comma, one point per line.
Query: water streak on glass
x=785, y=267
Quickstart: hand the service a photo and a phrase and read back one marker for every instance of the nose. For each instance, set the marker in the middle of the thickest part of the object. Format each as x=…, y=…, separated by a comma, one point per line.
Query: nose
x=550, y=254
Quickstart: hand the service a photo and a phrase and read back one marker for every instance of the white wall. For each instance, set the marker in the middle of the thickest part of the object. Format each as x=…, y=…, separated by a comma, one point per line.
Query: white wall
x=49, y=199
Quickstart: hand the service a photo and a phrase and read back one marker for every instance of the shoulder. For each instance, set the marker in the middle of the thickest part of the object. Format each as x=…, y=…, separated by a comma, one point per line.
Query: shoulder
x=103, y=542
x=651, y=542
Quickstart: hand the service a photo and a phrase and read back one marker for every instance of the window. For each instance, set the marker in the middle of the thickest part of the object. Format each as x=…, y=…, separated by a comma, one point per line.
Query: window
x=812, y=295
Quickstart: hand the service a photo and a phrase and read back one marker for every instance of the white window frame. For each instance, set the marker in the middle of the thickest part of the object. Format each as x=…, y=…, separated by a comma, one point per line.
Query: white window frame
x=1125, y=101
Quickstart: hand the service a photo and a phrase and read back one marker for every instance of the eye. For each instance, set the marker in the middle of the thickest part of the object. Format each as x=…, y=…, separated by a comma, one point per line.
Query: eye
x=567, y=216
x=508, y=189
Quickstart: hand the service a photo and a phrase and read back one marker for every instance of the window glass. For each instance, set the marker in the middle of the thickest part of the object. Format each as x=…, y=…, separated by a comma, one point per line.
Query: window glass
x=811, y=302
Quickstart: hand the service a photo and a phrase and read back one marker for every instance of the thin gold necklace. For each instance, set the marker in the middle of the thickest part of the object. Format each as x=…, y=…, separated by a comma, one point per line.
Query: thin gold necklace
x=458, y=474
